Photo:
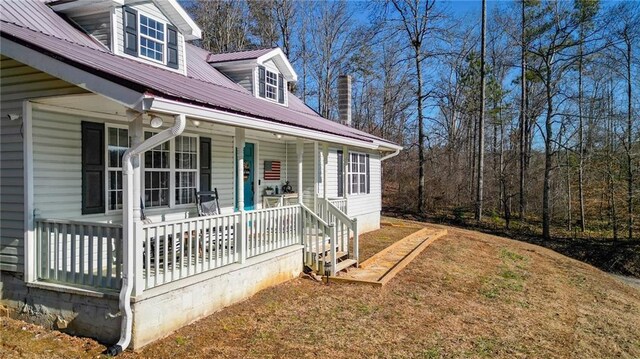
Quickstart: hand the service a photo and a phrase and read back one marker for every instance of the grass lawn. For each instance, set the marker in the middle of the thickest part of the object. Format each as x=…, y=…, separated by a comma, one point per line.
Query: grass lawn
x=468, y=295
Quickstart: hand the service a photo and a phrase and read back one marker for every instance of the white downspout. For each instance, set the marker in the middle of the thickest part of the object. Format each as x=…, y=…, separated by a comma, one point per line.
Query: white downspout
x=128, y=231
x=397, y=151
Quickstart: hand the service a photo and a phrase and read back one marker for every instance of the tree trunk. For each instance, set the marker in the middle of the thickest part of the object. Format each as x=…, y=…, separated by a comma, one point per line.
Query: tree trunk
x=580, y=139
x=629, y=144
x=569, y=209
x=420, y=133
x=480, y=184
x=523, y=116
x=548, y=157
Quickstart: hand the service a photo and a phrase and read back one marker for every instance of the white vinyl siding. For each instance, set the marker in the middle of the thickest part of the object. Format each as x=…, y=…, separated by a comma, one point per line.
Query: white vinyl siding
x=97, y=25
x=17, y=83
x=243, y=78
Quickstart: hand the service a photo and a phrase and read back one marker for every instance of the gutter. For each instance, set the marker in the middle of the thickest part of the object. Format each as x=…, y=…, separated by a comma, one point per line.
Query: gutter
x=130, y=188
x=391, y=155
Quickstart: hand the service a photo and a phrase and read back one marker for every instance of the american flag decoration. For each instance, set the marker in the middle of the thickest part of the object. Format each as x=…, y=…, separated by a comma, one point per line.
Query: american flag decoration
x=272, y=170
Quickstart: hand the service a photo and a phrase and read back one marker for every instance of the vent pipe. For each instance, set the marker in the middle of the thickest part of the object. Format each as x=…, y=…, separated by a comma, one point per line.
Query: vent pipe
x=344, y=99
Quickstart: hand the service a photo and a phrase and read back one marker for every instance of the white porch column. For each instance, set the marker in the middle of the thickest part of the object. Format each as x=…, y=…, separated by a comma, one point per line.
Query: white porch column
x=300, y=152
x=325, y=162
x=241, y=233
x=137, y=137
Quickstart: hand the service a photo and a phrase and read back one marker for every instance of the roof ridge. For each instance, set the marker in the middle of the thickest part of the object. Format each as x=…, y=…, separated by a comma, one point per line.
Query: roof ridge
x=121, y=57
x=241, y=51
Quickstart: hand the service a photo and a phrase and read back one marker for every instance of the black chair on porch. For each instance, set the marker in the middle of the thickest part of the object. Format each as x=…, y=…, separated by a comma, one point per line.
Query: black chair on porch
x=208, y=204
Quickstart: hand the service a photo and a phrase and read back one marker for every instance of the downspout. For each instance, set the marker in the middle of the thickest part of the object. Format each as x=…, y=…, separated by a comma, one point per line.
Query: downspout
x=397, y=151
x=128, y=230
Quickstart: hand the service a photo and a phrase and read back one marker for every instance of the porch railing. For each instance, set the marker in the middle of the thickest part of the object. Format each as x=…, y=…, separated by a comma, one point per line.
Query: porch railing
x=182, y=248
x=339, y=203
x=272, y=228
x=82, y=253
x=346, y=229
x=318, y=239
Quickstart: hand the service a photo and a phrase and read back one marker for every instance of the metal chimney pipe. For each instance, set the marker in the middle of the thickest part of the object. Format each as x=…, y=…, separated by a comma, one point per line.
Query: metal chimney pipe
x=344, y=99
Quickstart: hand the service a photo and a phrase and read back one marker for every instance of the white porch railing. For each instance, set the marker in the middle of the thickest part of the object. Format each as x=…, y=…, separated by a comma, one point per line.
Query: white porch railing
x=82, y=253
x=182, y=248
x=346, y=229
x=272, y=228
x=339, y=203
x=319, y=241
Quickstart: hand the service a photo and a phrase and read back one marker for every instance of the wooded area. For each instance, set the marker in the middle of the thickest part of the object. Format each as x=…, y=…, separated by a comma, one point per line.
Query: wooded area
x=556, y=83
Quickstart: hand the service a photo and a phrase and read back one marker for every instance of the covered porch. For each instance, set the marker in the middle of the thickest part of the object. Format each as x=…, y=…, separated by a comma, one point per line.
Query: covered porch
x=157, y=224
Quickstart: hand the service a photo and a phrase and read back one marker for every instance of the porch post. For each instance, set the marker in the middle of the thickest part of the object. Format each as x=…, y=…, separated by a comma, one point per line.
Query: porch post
x=300, y=152
x=325, y=162
x=240, y=233
x=137, y=137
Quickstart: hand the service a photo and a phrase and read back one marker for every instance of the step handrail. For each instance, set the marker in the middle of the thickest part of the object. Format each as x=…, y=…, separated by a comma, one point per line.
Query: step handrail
x=327, y=229
x=351, y=224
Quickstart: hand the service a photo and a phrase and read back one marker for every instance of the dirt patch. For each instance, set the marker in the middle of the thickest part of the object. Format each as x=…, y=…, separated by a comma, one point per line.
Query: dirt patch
x=469, y=295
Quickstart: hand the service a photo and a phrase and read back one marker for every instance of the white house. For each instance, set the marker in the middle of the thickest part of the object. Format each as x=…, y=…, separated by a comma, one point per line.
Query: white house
x=111, y=122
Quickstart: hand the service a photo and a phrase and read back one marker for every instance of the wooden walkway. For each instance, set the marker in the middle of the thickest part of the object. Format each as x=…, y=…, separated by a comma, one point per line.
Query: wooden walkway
x=383, y=266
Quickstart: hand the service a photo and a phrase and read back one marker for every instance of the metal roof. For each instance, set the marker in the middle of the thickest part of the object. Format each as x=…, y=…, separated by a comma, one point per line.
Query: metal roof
x=38, y=16
x=238, y=55
x=42, y=30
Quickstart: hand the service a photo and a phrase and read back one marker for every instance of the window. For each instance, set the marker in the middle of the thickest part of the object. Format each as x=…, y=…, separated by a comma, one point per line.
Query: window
x=358, y=173
x=186, y=168
x=152, y=37
x=117, y=144
x=148, y=38
x=272, y=85
x=156, y=175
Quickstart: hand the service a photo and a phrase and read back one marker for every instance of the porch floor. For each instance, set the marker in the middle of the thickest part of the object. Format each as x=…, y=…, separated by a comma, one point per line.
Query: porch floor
x=384, y=265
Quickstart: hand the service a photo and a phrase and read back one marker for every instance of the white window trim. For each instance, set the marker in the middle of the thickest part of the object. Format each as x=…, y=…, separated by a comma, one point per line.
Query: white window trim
x=107, y=167
x=164, y=43
x=267, y=85
x=351, y=172
x=172, y=170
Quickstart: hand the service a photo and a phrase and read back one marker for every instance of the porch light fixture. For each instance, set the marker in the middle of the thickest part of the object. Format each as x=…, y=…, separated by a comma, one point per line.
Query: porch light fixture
x=156, y=122
x=13, y=116
x=278, y=136
x=196, y=123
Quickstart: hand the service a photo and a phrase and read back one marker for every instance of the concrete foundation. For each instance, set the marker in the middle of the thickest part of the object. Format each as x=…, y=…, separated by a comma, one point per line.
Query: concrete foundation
x=158, y=311
x=368, y=222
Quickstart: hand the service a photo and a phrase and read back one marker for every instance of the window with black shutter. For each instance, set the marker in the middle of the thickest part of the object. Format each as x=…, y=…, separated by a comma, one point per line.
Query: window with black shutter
x=172, y=47
x=280, y=88
x=205, y=164
x=130, y=22
x=340, y=174
x=261, y=81
x=93, y=168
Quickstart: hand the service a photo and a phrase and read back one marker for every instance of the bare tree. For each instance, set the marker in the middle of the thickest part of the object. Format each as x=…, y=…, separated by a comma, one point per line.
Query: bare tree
x=480, y=183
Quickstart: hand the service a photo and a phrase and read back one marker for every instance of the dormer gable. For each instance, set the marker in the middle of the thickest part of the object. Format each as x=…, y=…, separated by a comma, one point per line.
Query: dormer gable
x=151, y=31
x=263, y=72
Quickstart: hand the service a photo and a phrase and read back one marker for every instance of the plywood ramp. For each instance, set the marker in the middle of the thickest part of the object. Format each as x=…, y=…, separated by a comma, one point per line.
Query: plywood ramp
x=384, y=265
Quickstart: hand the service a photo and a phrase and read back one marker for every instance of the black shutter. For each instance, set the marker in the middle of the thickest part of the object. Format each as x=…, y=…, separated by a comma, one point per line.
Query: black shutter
x=93, y=168
x=205, y=164
x=340, y=174
x=172, y=46
x=368, y=176
x=130, y=23
x=261, y=81
x=280, y=88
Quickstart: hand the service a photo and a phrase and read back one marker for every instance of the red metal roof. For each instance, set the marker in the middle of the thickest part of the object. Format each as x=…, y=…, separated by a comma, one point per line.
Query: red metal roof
x=54, y=37
x=239, y=55
x=38, y=16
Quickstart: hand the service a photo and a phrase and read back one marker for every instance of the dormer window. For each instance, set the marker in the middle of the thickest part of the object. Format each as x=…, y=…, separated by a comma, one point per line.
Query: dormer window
x=270, y=85
x=150, y=39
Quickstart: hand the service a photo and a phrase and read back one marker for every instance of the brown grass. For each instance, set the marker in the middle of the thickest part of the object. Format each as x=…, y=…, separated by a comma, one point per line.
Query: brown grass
x=469, y=295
